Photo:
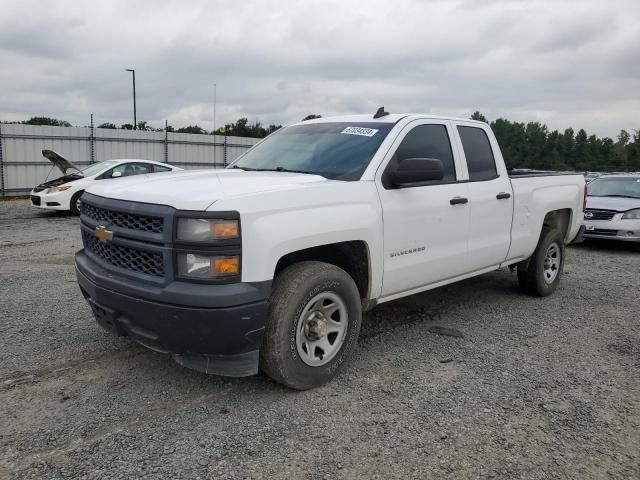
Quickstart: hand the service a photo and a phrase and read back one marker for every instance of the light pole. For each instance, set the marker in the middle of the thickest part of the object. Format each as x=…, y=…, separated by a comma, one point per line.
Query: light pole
x=135, y=120
x=214, y=124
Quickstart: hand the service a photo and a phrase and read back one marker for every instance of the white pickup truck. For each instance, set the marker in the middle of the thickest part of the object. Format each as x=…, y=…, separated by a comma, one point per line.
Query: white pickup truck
x=270, y=262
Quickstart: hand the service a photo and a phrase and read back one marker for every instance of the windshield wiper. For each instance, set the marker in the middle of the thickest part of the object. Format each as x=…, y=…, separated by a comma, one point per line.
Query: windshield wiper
x=288, y=170
x=277, y=169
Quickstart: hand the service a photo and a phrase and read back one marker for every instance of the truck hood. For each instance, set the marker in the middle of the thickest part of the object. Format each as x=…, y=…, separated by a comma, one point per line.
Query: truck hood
x=198, y=189
x=619, y=204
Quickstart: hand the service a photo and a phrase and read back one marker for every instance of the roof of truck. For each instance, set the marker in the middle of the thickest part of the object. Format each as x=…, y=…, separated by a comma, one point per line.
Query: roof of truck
x=390, y=118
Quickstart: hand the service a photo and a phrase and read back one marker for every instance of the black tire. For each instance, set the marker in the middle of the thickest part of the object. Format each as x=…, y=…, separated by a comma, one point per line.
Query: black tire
x=533, y=280
x=293, y=290
x=73, y=205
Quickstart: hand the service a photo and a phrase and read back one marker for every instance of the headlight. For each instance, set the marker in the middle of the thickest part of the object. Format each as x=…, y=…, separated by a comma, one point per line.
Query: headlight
x=632, y=215
x=206, y=230
x=203, y=267
x=61, y=188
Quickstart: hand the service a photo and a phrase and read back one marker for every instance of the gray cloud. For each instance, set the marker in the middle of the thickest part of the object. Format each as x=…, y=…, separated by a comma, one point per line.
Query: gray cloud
x=572, y=63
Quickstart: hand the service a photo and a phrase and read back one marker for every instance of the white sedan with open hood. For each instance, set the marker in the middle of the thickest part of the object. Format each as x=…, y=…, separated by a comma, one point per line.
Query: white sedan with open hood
x=64, y=193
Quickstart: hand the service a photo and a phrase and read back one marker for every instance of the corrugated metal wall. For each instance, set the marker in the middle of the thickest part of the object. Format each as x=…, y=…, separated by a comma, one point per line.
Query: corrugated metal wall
x=22, y=165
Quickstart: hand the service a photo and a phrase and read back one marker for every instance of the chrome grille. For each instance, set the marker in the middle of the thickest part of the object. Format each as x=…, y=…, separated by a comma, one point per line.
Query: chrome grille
x=598, y=214
x=131, y=221
x=149, y=263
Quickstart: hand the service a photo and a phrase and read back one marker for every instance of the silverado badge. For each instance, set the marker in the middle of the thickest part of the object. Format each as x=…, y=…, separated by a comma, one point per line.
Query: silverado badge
x=103, y=234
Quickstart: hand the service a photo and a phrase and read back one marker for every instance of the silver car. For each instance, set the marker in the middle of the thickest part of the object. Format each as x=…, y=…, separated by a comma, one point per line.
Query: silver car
x=613, y=208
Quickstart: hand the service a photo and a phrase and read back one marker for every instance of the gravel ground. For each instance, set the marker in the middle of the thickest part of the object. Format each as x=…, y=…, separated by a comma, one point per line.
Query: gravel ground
x=535, y=388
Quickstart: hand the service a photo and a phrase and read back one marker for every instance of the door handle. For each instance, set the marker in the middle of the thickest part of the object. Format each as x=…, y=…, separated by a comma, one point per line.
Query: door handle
x=503, y=195
x=458, y=201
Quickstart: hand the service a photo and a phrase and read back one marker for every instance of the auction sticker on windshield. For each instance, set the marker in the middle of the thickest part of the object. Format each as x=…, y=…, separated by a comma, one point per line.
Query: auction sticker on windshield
x=365, y=132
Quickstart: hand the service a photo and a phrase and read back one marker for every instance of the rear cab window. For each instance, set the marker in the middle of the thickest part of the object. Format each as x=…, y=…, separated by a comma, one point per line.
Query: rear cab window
x=481, y=163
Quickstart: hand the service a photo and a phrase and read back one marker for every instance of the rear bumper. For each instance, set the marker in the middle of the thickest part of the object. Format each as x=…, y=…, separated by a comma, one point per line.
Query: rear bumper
x=223, y=340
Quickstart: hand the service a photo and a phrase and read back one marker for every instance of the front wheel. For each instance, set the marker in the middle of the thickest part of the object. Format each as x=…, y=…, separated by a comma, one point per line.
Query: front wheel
x=313, y=326
x=542, y=276
x=74, y=204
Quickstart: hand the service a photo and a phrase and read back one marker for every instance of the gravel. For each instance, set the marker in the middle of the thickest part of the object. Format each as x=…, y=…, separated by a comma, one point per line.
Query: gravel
x=473, y=380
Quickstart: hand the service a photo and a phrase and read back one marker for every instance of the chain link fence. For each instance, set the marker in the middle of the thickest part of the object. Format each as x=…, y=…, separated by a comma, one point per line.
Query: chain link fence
x=22, y=165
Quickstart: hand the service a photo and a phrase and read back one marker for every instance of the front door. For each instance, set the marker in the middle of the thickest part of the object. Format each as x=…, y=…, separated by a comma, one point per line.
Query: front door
x=425, y=226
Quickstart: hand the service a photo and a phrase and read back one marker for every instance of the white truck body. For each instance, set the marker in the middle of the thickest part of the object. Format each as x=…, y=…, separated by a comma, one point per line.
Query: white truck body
x=285, y=212
x=428, y=203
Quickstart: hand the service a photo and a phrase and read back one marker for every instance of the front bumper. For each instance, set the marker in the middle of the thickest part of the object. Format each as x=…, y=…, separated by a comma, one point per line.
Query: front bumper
x=50, y=201
x=219, y=332
x=616, y=229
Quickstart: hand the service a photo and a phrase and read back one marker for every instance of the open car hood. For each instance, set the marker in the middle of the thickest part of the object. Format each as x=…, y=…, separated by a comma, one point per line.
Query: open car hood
x=64, y=165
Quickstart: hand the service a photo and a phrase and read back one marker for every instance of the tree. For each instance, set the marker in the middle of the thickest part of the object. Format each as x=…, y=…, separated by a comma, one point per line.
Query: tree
x=566, y=146
x=126, y=126
x=311, y=117
x=142, y=125
x=111, y=126
x=623, y=137
x=273, y=128
x=242, y=128
x=478, y=116
x=191, y=129
x=633, y=153
x=581, y=152
x=47, y=121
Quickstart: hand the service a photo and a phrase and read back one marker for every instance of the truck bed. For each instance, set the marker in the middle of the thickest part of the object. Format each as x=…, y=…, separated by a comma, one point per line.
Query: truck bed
x=524, y=172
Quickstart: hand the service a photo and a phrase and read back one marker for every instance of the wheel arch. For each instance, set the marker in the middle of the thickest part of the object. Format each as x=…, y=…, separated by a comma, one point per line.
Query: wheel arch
x=555, y=219
x=351, y=256
x=79, y=194
x=559, y=219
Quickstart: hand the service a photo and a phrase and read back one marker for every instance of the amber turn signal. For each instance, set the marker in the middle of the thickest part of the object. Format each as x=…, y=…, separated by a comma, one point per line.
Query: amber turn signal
x=225, y=229
x=226, y=266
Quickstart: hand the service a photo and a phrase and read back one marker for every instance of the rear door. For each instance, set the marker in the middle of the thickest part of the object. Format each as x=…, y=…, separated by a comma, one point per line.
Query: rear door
x=425, y=234
x=490, y=196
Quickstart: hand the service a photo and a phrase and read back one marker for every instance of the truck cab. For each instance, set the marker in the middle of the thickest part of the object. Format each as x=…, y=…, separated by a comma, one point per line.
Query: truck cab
x=270, y=262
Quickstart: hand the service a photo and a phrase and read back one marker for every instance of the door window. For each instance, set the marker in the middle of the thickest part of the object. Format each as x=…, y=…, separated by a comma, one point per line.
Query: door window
x=428, y=141
x=477, y=150
x=122, y=170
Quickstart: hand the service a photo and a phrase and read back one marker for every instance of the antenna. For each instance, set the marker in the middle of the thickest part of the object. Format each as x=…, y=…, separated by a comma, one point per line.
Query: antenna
x=380, y=113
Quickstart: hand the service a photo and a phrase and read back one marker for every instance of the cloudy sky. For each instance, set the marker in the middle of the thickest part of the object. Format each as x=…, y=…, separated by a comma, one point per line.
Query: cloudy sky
x=565, y=63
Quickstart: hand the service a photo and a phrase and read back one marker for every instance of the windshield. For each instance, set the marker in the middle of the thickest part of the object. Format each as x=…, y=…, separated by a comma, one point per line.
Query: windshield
x=337, y=150
x=97, y=168
x=615, y=187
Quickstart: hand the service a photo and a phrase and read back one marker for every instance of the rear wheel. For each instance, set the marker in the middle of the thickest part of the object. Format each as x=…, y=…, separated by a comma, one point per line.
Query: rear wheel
x=542, y=276
x=313, y=326
x=74, y=205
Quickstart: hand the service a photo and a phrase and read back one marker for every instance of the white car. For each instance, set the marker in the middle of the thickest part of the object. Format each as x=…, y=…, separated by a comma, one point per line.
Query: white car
x=270, y=262
x=64, y=193
x=613, y=208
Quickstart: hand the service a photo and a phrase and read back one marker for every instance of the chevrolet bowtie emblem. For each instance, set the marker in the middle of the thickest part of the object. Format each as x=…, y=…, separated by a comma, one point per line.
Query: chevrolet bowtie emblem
x=103, y=234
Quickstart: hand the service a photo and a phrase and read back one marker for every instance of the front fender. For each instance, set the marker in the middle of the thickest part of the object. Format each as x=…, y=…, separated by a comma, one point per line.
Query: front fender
x=277, y=223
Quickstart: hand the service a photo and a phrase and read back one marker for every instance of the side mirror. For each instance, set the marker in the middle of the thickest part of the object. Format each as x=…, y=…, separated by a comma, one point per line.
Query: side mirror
x=116, y=174
x=416, y=170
